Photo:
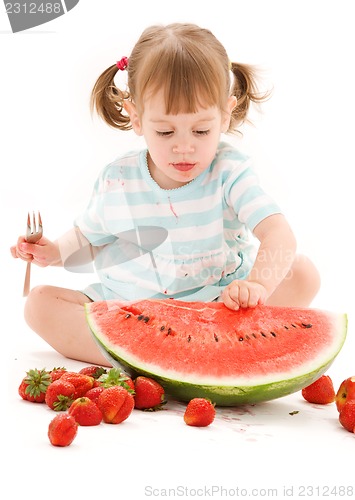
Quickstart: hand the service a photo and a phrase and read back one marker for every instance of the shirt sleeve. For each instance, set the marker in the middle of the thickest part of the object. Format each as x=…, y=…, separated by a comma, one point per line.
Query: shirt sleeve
x=91, y=221
x=244, y=193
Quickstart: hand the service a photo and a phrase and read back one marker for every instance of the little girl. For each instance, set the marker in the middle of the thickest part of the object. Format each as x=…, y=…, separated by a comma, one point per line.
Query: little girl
x=177, y=219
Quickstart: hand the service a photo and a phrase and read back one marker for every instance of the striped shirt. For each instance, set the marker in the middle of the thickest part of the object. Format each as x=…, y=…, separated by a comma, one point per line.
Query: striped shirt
x=187, y=243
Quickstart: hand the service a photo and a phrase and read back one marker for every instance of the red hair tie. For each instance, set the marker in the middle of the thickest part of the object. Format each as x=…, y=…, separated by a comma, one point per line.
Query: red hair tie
x=122, y=64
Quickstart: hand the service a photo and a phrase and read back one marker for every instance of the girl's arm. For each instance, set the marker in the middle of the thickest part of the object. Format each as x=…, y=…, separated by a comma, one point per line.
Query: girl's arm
x=273, y=261
x=74, y=249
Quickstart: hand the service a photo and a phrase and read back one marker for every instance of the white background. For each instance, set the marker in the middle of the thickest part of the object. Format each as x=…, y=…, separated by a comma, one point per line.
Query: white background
x=51, y=151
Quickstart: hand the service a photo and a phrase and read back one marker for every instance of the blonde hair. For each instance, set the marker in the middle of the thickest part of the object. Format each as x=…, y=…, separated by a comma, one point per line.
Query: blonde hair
x=189, y=64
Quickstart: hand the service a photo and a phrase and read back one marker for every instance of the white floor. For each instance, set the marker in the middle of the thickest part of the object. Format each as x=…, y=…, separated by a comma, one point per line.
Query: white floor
x=303, y=147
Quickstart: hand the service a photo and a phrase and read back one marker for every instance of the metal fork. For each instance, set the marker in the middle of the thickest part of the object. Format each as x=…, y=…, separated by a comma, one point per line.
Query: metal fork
x=34, y=232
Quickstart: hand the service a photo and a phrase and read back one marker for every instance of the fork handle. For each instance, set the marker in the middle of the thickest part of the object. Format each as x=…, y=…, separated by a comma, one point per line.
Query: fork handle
x=26, y=286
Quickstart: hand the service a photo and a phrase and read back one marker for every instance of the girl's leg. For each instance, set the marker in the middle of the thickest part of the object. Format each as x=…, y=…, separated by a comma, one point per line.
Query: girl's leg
x=57, y=315
x=299, y=287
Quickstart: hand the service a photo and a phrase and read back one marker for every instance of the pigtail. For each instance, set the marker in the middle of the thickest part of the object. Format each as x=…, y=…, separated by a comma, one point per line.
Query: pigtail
x=245, y=89
x=107, y=100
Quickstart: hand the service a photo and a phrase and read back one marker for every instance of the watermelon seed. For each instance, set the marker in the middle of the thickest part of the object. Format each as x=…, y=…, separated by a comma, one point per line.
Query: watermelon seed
x=241, y=339
x=286, y=327
x=128, y=315
x=169, y=331
x=146, y=319
x=162, y=328
x=307, y=325
x=189, y=338
x=140, y=317
x=273, y=334
x=216, y=337
x=294, y=326
x=263, y=334
x=254, y=335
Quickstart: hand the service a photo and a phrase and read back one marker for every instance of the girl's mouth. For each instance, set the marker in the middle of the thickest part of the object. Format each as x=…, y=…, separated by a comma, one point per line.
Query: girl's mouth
x=183, y=166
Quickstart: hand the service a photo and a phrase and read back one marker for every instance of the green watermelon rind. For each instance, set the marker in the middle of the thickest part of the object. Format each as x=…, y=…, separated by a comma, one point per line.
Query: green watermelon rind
x=225, y=395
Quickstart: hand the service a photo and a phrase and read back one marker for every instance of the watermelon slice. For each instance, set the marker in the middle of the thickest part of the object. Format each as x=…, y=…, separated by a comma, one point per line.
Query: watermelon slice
x=197, y=349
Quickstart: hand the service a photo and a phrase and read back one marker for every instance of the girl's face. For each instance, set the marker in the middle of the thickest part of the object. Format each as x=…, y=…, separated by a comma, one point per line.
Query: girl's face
x=180, y=146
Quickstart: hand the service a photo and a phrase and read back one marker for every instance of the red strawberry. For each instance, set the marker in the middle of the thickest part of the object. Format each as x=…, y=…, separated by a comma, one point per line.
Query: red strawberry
x=320, y=392
x=81, y=382
x=34, y=386
x=347, y=416
x=149, y=394
x=56, y=373
x=60, y=395
x=93, y=371
x=346, y=392
x=85, y=411
x=116, y=377
x=62, y=430
x=199, y=412
x=116, y=404
x=94, y=393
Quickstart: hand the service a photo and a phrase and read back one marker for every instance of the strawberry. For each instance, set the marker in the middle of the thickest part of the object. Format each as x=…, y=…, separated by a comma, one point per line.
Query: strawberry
x=345, y=393
x=56, y=373
x=116, y=377
x=320, y=392
x=116, y=404
x=199, y=412
x=81, y=382
x=62, y=430
x=149, y=394
x=85, y=411
x=34, y=386
x=94, y=393
x=60, y=395
x=347, y=416
x=93, y=371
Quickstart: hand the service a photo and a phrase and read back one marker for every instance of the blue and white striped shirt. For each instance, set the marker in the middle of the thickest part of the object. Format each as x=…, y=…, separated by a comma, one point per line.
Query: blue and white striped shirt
x=186, y=243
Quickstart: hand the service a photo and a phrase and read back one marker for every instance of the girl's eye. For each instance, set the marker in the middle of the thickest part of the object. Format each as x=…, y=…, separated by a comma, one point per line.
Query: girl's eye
x=164, y=134
x=169, y=133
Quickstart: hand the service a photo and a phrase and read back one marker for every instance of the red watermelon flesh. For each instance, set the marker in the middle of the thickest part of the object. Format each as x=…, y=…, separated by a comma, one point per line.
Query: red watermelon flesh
x=197, y=349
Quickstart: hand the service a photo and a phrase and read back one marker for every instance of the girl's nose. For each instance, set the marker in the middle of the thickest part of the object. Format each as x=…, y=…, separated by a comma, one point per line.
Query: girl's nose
x=183, y=147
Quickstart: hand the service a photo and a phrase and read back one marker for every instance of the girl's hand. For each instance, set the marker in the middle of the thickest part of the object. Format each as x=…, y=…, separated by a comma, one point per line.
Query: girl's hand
x=43, y=253
x=243, y=294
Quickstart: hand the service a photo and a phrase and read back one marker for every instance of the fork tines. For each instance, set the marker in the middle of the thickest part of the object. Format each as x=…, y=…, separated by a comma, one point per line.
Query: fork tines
x=35, y=227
